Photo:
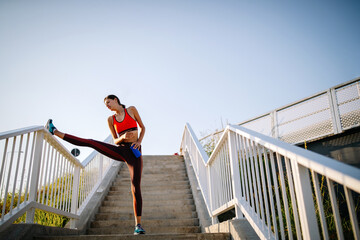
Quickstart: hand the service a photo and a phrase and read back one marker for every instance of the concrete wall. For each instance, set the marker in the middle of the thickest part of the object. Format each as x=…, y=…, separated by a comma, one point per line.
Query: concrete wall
x=238, y=228
x=344, y=147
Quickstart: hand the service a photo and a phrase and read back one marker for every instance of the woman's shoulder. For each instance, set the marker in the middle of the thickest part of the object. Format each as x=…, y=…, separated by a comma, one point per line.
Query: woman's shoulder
x=131, y=109
x=110, y=118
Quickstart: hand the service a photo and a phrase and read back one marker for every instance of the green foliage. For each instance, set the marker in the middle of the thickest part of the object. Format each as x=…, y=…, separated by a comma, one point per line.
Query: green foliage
x=209, y=144
x=41, y=217
x=209, y=147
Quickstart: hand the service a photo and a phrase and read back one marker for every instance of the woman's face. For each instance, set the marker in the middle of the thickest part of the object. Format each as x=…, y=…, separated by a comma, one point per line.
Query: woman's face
x=110, y=103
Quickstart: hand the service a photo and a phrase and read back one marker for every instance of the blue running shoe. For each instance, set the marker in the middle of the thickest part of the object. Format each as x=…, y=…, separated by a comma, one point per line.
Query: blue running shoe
x=50, y=126
x=139, y=230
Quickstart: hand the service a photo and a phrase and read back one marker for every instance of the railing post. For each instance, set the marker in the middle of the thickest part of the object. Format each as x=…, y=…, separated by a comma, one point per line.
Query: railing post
x=305, y=201
x=101, y=163
x=30, y=214
x=75, y=195
x=274, y=125
x=210, y=197
x=335, y=115
x=235, y=173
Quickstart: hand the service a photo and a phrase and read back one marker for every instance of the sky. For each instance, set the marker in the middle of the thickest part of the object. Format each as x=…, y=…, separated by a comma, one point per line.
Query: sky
x=207, y=63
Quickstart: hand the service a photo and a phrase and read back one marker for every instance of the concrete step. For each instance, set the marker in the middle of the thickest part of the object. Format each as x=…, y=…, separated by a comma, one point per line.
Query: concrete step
x=158, y=169
x=162, y=166
x=145, y=191
x=127, y=182
x=148, y=197
x=153, y=230
x=168, y=158
x=159, y=178
x=186, y=236
x=148, y=204
x=150, y=188
x=153, y=222
x=154, y=215
x=148, y=210
x=154, y=175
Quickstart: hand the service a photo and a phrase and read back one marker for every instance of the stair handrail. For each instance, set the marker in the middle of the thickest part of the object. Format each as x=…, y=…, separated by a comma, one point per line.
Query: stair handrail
x=262, y=177
x=39, y=169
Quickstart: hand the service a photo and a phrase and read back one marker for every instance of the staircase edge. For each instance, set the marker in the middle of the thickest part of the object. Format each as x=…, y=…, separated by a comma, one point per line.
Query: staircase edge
x=203, y=214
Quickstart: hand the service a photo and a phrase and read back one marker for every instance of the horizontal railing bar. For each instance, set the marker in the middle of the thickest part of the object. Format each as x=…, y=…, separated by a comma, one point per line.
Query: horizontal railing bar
x=20, y=131
x=17, y=212
x=300, y=101
x=54, y=210
x=211, y=134
x=224, y=208
x=48, y=136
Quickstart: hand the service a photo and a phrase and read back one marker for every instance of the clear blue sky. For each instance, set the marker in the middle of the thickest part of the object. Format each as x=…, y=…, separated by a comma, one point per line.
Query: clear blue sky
x=202, y=62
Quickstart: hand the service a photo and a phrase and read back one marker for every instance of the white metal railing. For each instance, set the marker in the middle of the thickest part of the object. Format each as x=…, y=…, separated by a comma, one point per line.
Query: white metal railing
x=326, y=113
x=282, y=190
x=38, y=172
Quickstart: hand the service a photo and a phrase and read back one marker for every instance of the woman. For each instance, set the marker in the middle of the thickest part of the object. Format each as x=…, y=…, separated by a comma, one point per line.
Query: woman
x=124, y=130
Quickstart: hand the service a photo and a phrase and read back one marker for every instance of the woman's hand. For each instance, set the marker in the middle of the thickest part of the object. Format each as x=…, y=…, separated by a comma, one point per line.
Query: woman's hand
x=136, y=145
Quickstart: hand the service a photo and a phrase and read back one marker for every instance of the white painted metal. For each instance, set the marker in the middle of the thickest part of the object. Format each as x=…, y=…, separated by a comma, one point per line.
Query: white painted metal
x=284, y=194
x=323, y=114
x=35, y=174
x=43, y=174
x=235, y=173
x=262, y=173
x=335, y=209
x=293, y=198
x=277, y=195
x=354, y=221
x=269, y=178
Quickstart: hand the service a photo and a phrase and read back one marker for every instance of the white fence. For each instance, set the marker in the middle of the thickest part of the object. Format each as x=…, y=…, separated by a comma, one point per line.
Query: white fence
x=284, y=191
x=326, y=113
x=37, y=172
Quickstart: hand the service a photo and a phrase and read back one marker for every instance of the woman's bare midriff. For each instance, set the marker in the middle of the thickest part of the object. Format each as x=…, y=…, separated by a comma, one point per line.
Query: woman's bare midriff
x=133, y=138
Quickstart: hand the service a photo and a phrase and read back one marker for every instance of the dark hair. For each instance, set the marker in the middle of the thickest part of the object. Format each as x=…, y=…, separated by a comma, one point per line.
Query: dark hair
x=113, y=97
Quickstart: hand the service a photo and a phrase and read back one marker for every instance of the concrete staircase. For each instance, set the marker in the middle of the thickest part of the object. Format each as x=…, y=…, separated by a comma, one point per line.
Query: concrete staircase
x=168, y=207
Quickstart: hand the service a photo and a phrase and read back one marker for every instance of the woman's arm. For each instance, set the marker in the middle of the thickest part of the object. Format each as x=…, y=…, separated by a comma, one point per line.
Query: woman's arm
x=117, y=140
x=137, y=117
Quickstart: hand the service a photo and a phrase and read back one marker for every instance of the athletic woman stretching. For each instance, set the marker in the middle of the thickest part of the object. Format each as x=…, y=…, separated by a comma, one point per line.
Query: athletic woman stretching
x=124, y=129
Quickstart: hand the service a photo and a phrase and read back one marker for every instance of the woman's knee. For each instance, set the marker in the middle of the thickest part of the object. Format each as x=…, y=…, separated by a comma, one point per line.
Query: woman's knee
x=135, y=188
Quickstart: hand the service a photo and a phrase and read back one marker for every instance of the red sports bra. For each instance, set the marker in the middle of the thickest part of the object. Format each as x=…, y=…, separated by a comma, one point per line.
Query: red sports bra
x=126, y=125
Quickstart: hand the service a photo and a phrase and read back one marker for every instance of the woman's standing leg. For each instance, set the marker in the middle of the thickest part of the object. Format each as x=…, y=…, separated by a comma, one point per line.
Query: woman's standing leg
x=135, y=168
